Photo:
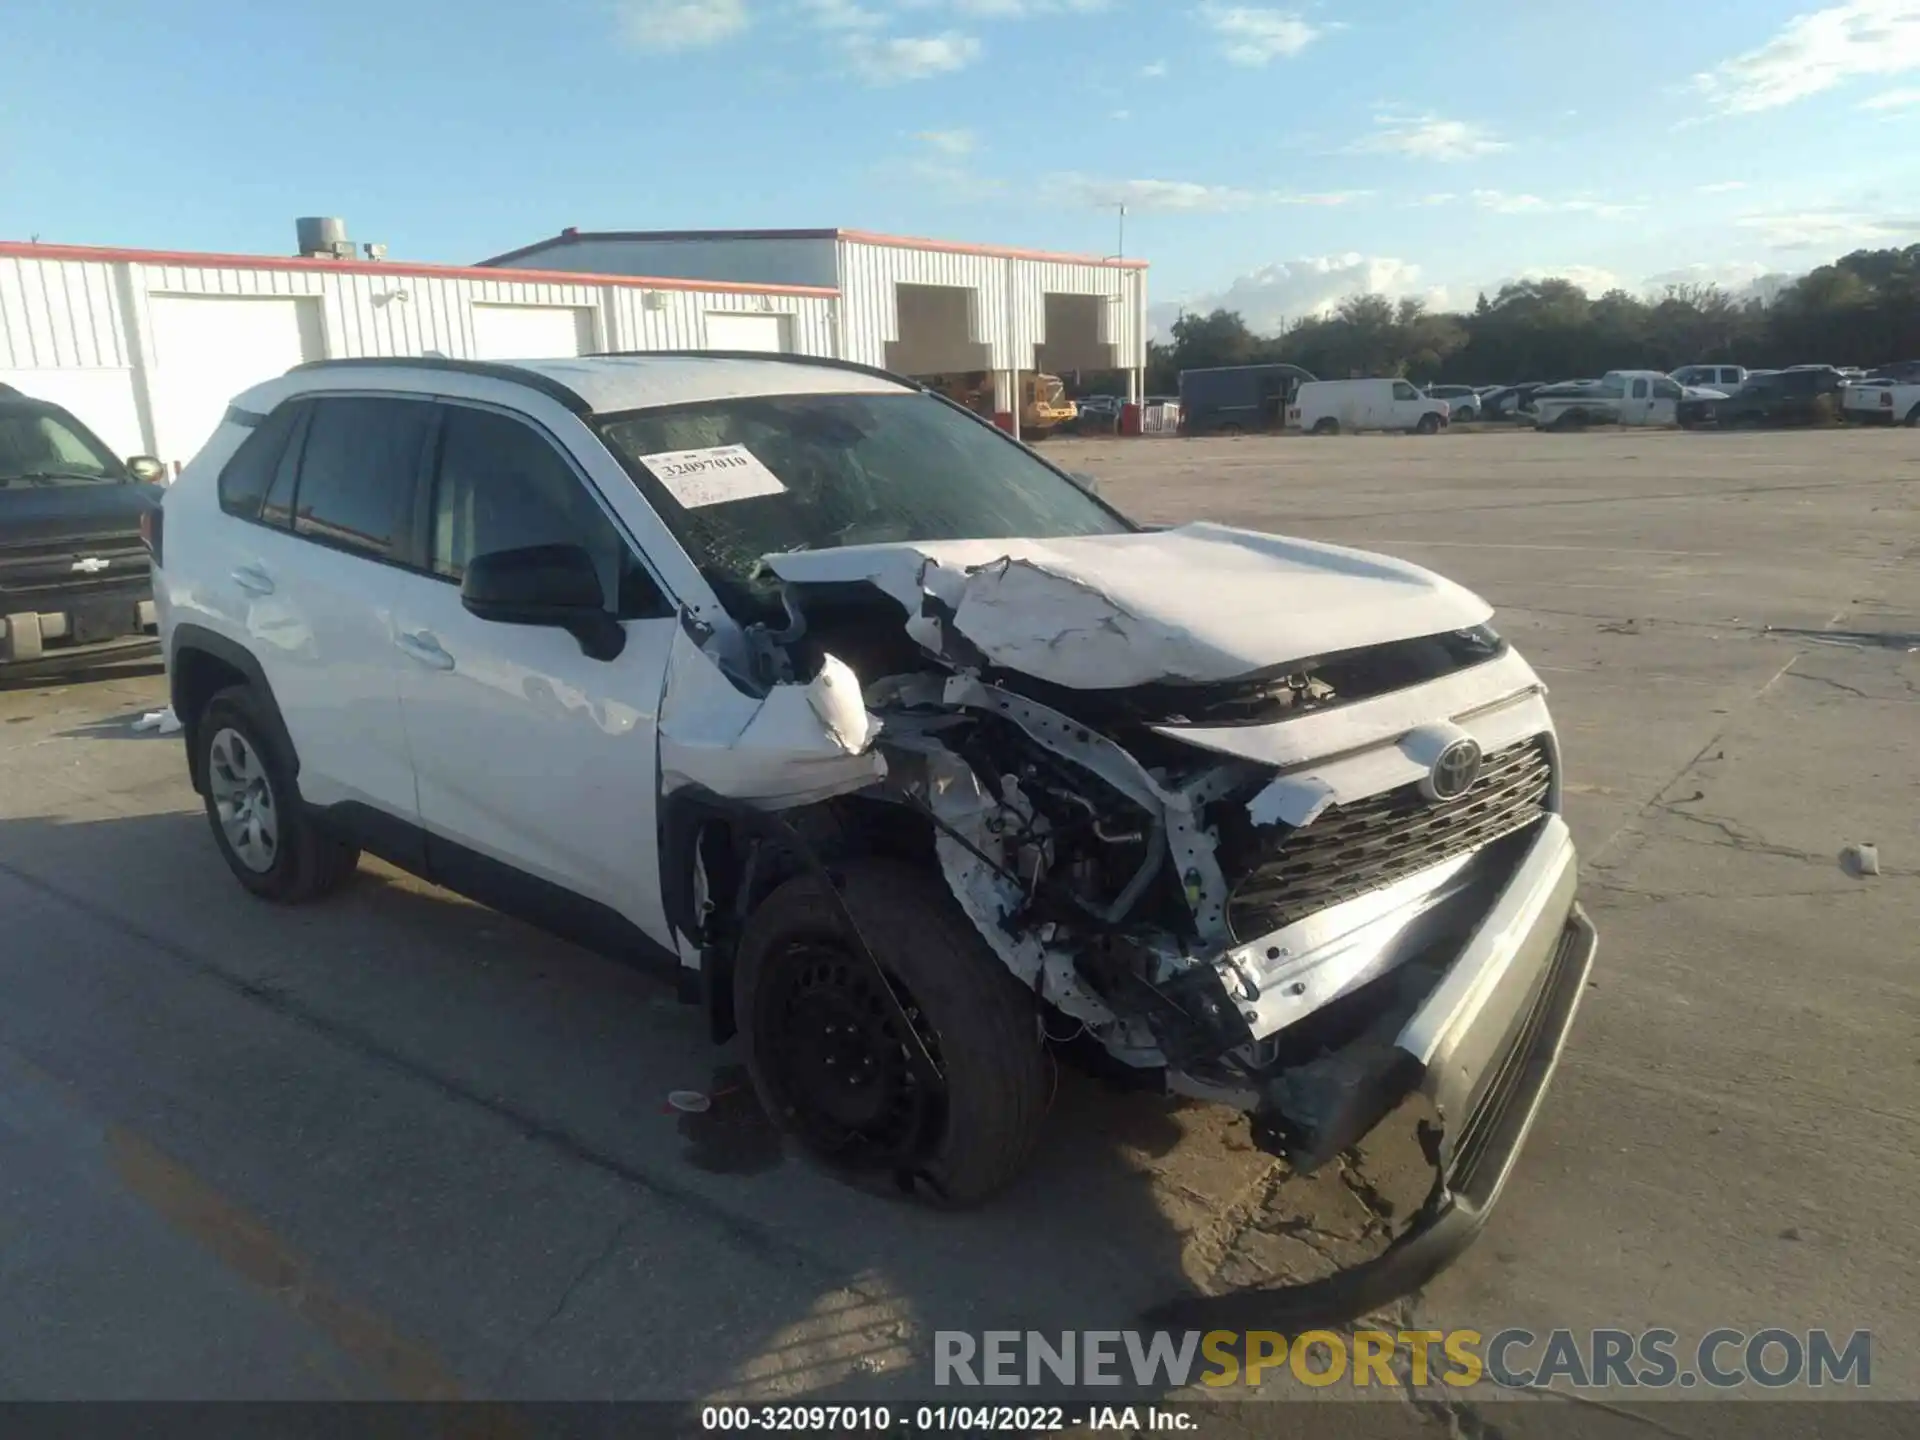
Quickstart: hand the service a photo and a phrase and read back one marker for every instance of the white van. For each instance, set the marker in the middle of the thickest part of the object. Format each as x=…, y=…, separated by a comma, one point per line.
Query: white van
x=1326, y=407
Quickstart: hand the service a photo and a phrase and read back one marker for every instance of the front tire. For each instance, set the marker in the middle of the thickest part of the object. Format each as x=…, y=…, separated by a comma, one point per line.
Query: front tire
x=1429, y=425
x=1328, y=426
x=834, y=1062
x=265, y=835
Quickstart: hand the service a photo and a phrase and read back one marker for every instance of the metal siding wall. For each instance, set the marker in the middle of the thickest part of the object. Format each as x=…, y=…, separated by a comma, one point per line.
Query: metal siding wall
x=868, y=274
x=59, y=313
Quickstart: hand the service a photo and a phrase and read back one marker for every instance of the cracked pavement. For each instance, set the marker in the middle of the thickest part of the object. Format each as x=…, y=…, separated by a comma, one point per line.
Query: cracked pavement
x=397, y=1145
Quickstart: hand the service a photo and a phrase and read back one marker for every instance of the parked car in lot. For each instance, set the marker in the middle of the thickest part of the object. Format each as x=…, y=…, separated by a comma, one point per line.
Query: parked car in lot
x=1724, y=378
x=1620, y=397
x=1099, y=414
x=1799, y=396
x=1327, y=407
x=752, y=667
x=1510, y=402
x=1237, y=399
x=1882, y=402
x=1463, y=401
x=74, y=586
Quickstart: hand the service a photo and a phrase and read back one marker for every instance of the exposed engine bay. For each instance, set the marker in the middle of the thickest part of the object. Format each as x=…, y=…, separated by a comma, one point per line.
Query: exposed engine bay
x=1248, y=868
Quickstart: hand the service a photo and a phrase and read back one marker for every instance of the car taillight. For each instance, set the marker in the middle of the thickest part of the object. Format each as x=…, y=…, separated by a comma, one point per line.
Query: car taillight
x=152, y=527
x=1886, y=399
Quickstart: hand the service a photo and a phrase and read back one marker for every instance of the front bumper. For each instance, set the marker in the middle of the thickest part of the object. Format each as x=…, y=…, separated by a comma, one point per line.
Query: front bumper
x=1479, y=1049
x=102, y=629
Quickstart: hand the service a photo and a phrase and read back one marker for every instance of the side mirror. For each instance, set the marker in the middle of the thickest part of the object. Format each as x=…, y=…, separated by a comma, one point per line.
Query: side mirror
x=146, y=469
x=1086, y=482
x=551, y=585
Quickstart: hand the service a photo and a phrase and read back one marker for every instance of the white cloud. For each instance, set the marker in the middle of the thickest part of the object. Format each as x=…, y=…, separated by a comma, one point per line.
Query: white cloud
x=1502, y=202
x=1429, y=137
x=1816, y=51
x=949, y=142
x=1256, y=36
x=1014, y=9
x=1834, y=231
x=1145, y=195
x=1289, y=290
x=1155, y=71
x=1596, y=280
x=1183, y=195
x=1121, y=115
x=1893, y=100
x=1739, y=278
x=1721, y=187
x=1443, y=197
x=894, y=59
x=670, y=25
x=843, y=15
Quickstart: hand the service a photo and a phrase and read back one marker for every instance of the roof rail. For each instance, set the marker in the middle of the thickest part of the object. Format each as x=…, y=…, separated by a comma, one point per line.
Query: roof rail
x=493, y=370
x=826, y=362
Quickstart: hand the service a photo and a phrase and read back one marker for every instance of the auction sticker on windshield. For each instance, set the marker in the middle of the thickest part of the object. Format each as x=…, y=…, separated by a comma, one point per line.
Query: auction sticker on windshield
x=697, y=478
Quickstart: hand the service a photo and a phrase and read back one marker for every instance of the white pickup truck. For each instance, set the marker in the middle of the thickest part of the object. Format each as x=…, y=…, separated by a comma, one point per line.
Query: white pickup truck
x=1882, y=402
x=1620, y=397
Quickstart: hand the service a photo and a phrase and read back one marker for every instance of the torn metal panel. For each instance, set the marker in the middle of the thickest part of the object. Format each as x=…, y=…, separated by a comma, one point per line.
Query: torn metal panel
x=1198, y=603
x=1463, y=698
x=797, y=744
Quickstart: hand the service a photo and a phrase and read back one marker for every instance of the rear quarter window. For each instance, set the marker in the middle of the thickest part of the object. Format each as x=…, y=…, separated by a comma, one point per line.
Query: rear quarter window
x=247, y=476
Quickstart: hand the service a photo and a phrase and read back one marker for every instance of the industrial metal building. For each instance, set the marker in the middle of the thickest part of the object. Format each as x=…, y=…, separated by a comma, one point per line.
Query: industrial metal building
x=916, y=307
x=147, y=347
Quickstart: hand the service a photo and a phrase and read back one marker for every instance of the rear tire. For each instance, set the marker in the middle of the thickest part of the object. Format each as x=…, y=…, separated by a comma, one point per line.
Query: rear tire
x=1229, y=429
x=264, y=833
x=1913, y=417
x=833, y=1063
x=1327, y=426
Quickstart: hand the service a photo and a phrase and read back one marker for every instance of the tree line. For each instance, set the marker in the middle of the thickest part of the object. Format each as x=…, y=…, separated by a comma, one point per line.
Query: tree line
x=1863, y=309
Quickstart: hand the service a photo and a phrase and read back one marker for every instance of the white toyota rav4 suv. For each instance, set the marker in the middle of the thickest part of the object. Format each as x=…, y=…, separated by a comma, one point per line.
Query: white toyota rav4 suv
x=907, y=754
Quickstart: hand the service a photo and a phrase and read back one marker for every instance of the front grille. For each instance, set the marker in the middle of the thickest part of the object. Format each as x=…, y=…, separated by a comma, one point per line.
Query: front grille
x=1353, y=849
x=41, y=575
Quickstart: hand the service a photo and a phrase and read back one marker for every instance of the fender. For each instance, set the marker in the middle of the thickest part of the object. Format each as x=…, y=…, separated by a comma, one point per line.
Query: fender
x=189, y=694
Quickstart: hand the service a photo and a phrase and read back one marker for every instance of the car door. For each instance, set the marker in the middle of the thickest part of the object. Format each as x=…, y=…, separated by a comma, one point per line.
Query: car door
x=310, y=580
x=1404, y=407
x=1664, y=408
x=533, y=762
x=1636, y=406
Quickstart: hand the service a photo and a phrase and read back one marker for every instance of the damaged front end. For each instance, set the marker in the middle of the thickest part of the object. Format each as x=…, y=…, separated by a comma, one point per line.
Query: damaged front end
x=1319, y=879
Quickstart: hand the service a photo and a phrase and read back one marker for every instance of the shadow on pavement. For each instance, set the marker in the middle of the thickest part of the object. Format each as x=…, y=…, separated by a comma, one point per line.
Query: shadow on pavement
x=463, y=1125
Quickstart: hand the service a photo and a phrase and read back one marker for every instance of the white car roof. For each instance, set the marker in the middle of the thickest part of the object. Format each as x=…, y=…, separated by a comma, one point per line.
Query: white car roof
x=604, y=384
x=641, y=382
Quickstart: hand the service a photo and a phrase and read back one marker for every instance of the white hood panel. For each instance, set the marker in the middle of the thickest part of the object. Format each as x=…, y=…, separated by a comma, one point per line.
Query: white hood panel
x=1196, y=604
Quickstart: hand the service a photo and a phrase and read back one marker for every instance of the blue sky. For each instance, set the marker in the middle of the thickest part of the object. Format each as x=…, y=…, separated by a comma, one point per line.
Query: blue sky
x=1274, y=155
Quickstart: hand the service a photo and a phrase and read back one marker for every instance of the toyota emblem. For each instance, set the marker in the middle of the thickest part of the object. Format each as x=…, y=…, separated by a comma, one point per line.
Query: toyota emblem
x=1455, y=771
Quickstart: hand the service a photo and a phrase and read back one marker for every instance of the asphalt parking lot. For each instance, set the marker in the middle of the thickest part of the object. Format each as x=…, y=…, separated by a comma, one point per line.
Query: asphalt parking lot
x=397, y=1145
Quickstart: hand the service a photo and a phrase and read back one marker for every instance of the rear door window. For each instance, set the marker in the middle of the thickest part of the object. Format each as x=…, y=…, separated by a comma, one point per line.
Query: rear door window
x=357, y=473
x=1640, y=389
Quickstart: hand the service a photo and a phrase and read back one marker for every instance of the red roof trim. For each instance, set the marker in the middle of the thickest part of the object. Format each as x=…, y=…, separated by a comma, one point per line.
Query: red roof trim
x=28, y=251
x=860, y=237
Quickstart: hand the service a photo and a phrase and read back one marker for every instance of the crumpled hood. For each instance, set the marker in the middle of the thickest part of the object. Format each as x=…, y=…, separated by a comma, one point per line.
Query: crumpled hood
x=1194, y=604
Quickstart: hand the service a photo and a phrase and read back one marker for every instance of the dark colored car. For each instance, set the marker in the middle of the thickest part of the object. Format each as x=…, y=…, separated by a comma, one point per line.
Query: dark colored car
x=75, y=582
x=1509, y=402
x=1785, y=397
x=1238, y=399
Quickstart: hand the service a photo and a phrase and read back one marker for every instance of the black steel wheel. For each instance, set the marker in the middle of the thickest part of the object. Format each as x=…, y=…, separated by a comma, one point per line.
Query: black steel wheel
x=842, y=1051
x=884, y=1035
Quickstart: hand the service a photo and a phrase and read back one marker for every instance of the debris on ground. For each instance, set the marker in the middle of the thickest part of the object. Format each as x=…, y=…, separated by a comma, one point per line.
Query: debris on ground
x=692, y=1102
x=1861, y=860
x=164, y=722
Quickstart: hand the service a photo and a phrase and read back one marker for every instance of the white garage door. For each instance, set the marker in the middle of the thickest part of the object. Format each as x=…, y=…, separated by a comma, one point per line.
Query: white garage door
x=531, y=332
x=727, y=330
x=208, y=348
